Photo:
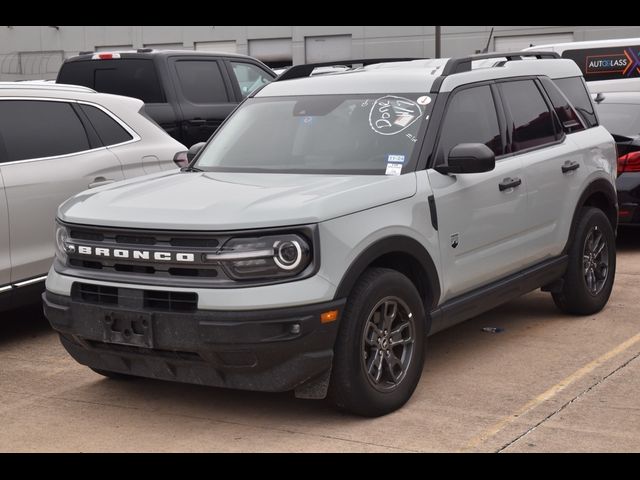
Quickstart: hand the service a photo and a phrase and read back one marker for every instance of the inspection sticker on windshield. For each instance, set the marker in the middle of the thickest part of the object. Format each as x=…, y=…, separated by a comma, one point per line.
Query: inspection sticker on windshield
x=391, y=115
x=395, y=159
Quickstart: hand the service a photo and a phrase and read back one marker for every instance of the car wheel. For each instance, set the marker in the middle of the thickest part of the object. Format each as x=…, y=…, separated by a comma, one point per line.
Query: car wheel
x=379, y=352
x=592, y=265
x=113, y=375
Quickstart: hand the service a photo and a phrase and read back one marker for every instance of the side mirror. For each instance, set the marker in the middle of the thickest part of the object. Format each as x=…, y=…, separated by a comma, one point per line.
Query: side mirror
x=469, y=158
x=194, y=150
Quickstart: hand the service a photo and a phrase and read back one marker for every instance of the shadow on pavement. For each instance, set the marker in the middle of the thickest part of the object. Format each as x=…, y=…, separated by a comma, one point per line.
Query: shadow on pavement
x=628, y=239
x=22, y=323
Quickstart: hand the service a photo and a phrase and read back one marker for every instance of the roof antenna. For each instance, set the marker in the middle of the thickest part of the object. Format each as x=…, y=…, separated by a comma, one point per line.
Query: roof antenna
x=486, y=49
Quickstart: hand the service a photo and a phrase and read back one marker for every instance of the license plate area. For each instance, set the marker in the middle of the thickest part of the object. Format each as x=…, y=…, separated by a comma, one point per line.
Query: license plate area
x=128, y=328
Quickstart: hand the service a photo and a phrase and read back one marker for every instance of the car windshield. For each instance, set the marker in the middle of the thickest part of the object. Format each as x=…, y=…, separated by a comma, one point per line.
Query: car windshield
x=356, y=134
x=621, y=119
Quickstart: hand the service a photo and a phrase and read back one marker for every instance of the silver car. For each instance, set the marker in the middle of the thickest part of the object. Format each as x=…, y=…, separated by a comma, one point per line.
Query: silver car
x=56, y=141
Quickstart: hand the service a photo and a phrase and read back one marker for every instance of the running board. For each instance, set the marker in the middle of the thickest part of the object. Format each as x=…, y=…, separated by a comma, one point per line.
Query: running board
x=490, y=296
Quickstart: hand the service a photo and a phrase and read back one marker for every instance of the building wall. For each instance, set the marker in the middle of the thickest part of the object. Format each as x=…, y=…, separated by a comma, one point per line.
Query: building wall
x=37, y=51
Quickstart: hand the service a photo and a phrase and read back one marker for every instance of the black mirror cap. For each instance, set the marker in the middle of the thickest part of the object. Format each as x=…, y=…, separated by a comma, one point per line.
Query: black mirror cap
x=194, y=150
x=469, y=158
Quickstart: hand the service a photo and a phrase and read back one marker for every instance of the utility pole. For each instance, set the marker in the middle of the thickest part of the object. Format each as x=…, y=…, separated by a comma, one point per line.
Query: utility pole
x=438, y=42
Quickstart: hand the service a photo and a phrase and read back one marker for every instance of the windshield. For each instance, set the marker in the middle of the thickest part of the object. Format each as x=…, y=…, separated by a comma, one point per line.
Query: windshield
x=622, y=119
x=357, y=134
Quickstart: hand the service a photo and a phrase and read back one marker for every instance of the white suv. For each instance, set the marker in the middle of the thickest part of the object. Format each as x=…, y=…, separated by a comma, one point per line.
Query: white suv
x=333, y=222
x=56, y=141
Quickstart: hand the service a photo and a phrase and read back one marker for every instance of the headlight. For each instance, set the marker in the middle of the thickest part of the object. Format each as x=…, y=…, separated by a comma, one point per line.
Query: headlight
x=62, y=245
x=263, y=257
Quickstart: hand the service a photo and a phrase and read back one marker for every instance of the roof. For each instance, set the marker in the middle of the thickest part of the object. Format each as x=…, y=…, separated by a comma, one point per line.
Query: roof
x=150, y=53
x=560, y=47
x=416, y=76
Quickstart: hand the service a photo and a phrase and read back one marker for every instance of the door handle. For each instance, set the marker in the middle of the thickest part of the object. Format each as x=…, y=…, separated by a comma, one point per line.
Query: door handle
x=99, y=181
x=508, y=183
x=570, y=166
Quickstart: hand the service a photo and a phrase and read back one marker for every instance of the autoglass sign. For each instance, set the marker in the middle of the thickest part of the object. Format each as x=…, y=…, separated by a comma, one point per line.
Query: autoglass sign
x=607, y=63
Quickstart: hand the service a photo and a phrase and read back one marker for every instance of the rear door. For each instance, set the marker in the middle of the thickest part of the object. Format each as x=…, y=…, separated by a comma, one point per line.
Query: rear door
x=551, y=161
x=205, y=96
x=5, y=257
x=50, y=158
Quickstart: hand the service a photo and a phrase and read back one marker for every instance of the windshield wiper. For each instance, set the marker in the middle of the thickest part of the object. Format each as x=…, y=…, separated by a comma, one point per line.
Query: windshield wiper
x=191, y=169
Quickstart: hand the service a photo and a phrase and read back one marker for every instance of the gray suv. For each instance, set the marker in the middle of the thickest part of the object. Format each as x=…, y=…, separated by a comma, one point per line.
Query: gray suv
x=334, y=222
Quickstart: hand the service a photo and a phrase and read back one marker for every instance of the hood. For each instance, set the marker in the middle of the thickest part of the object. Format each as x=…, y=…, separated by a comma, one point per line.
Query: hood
x=232, y=201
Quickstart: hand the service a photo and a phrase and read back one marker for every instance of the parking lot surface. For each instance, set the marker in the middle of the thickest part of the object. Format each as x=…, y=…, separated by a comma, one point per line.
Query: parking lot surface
x=547, y=383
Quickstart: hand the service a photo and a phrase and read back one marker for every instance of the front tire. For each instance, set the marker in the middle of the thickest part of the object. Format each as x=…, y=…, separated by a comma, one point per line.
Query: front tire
x=380, y=347
x=592, y=266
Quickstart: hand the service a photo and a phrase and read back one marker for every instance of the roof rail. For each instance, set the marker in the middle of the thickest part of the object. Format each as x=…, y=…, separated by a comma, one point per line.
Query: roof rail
x=463, y=64
x=85, y=52
x=305, y=70
x=45, y=86
x=144, y=50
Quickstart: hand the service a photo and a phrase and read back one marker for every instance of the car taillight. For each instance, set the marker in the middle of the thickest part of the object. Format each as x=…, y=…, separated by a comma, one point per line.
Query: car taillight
x=629, y=162
x=180, y=159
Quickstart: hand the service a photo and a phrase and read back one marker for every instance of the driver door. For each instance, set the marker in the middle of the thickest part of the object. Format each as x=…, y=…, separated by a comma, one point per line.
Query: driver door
x=481, y=220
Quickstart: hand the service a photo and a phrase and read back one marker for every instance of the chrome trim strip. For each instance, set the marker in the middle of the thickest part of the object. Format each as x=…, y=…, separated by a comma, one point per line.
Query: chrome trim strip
x=30, y=281
x=5, y=289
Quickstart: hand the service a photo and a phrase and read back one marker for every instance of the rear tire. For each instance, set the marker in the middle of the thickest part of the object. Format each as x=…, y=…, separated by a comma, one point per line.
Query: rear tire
x=379, y=352
x=592, y=265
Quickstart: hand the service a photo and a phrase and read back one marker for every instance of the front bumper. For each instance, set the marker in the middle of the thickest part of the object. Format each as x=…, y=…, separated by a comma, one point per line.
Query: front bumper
x=267, y=350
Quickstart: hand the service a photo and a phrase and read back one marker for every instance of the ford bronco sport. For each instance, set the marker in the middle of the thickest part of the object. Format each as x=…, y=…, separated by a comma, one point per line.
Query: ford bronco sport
x=334, y=222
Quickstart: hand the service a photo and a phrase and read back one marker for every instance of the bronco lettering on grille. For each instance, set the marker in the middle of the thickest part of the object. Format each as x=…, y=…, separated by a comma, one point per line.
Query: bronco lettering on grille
x=122, y=253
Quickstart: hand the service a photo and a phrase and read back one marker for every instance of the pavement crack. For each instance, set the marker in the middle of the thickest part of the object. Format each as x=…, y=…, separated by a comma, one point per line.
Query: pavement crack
x=565, y=405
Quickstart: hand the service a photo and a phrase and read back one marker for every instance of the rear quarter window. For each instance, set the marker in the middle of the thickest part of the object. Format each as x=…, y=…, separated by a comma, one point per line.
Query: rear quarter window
x=576, y=91
x=109, y=131
x=131, y=77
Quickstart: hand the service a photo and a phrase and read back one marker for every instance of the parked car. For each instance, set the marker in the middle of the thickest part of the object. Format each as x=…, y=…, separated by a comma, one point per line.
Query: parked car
x=607, y=65
x=619, y=112
x=334, y=222
x=188, y=93
x=55, y=141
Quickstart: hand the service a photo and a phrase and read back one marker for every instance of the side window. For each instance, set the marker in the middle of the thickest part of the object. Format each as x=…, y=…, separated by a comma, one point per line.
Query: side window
x=471, y=118
x=130, y=77
x=532, y=121
x=249, y=77
x=109, y=131
x=36, y=129
x=576, y=91
x=201, y=81
x=564, y=110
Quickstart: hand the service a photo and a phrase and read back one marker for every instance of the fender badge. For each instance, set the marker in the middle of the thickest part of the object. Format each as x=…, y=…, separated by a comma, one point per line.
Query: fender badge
x=455, y=240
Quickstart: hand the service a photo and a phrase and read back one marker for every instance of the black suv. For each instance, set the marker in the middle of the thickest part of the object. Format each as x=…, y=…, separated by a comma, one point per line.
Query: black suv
x=187, y=93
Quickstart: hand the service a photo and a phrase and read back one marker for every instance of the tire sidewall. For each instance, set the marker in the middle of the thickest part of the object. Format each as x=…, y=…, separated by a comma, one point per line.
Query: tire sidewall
x=360, y=304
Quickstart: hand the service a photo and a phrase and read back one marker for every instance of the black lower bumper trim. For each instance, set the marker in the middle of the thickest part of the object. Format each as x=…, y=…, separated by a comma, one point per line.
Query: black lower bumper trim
x=269, y=350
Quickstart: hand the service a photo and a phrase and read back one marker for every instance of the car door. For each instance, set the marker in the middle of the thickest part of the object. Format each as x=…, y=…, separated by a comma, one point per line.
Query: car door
x=50, y=158
x=247, y=77
x=5, y=257
x=550, y=159
x=480, y=218
x=204, y=94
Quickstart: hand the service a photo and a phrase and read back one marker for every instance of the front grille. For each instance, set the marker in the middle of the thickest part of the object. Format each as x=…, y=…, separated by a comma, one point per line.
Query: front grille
x=135, y=299
x=149, y=271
